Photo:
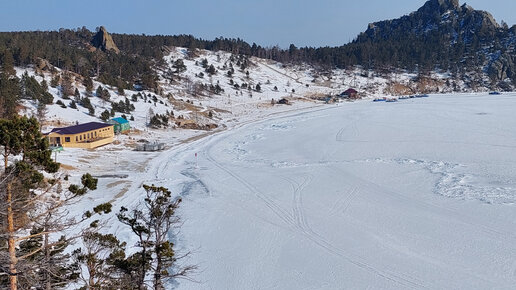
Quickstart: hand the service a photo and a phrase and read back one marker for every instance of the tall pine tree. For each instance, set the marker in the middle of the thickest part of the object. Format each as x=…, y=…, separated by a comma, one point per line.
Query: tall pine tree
x=32, y=209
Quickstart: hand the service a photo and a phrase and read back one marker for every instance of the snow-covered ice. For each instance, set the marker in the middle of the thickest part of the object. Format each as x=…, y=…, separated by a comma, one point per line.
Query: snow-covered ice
x=415, y=194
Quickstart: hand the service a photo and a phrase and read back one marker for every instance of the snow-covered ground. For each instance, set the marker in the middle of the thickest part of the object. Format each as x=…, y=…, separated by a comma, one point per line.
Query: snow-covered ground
x=415, y=194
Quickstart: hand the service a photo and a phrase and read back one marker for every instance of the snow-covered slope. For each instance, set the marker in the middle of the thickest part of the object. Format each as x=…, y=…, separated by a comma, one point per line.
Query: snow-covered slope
x=188, y=96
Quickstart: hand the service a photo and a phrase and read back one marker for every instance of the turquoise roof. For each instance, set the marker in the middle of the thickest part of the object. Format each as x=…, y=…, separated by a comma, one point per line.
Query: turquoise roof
x=120, y=120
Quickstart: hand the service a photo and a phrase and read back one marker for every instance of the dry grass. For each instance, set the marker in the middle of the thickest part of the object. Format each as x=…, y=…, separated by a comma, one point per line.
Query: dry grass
x=428, y=85
x=67, y=167
x=397, y=89
x=133, y=132
x=57, y=123
x=122, y=192
x=184, y=106
x=116, y=183
x=217, y=110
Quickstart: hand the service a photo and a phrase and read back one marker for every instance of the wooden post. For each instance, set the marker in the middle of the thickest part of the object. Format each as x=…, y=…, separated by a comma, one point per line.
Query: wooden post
x=13, y=279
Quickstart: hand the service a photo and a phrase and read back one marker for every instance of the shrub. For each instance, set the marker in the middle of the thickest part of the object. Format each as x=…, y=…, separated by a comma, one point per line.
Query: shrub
x=60, y=103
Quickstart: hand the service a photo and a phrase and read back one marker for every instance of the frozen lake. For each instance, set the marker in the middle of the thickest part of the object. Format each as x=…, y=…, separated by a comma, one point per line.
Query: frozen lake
x=415, y=194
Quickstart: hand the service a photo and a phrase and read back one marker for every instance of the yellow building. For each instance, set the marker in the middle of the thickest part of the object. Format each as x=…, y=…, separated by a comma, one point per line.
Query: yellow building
x=87, y=135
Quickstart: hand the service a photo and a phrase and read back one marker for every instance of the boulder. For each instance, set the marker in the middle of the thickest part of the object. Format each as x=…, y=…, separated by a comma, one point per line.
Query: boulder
x=43, y=64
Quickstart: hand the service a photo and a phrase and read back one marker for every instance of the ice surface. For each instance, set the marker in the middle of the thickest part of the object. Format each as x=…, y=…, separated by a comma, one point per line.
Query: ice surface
x=418, y=194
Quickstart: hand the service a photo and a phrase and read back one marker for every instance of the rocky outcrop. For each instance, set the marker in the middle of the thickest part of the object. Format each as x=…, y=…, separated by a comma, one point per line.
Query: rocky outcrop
x=444, y=30
x=43, y=65
x=503, y=67
x=444, y=16
x=440, y=6
x=102, y=40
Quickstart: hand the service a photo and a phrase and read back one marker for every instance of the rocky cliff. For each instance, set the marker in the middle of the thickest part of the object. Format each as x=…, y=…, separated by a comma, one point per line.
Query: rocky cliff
x=446, y=17
x=443, y=34
x=102, y=40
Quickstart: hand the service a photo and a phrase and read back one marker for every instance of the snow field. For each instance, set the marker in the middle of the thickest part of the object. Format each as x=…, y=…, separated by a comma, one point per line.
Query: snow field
x=417, y=194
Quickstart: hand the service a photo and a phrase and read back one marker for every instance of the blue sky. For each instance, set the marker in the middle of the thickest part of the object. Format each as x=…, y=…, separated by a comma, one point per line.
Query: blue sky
x=266, y=22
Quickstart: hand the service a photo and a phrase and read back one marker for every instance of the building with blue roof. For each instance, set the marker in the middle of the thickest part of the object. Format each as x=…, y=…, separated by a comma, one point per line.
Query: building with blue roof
x=121, y=124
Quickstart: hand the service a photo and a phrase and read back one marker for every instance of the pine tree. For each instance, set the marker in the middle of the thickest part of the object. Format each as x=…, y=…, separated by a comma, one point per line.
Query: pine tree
x=41, y=112
x=88, y=83
x=204, y=63
x=211, y=70
x=121, y=91
x=9, y=94
x=50, y=267
x=179, y=66
x=151, y=223
x=32, y=203
x=8, y=64
x=67, y=88
x=98, y=92
x=120, y=87
x=77, y=94
x=54, y=82
x=102, y=93
x=73, y=104
x=102, y=256
x=104, y=116
x=31, y=89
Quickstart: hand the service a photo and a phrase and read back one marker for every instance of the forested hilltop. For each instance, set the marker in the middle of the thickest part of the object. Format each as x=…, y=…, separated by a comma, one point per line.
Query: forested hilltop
x=441, y=35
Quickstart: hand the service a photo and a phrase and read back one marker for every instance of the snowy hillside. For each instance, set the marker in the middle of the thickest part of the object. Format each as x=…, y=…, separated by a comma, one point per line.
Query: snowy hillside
x=239, y=88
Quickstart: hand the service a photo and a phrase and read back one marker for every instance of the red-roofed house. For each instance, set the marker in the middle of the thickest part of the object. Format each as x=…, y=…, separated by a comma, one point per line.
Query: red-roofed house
x=350, y=93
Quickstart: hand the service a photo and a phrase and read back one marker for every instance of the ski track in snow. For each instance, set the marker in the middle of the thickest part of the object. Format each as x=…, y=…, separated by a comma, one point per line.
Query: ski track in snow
x=298, y=222
x=343, y=203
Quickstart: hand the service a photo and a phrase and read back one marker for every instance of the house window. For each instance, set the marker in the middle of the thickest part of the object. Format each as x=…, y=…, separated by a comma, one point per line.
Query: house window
x=95, y=133
x=76, y=139
x=67, y=139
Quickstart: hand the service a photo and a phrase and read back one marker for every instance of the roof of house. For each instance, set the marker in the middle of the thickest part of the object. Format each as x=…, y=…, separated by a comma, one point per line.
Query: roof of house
x=350, y=91
x=120, y=120
x=80, y=128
